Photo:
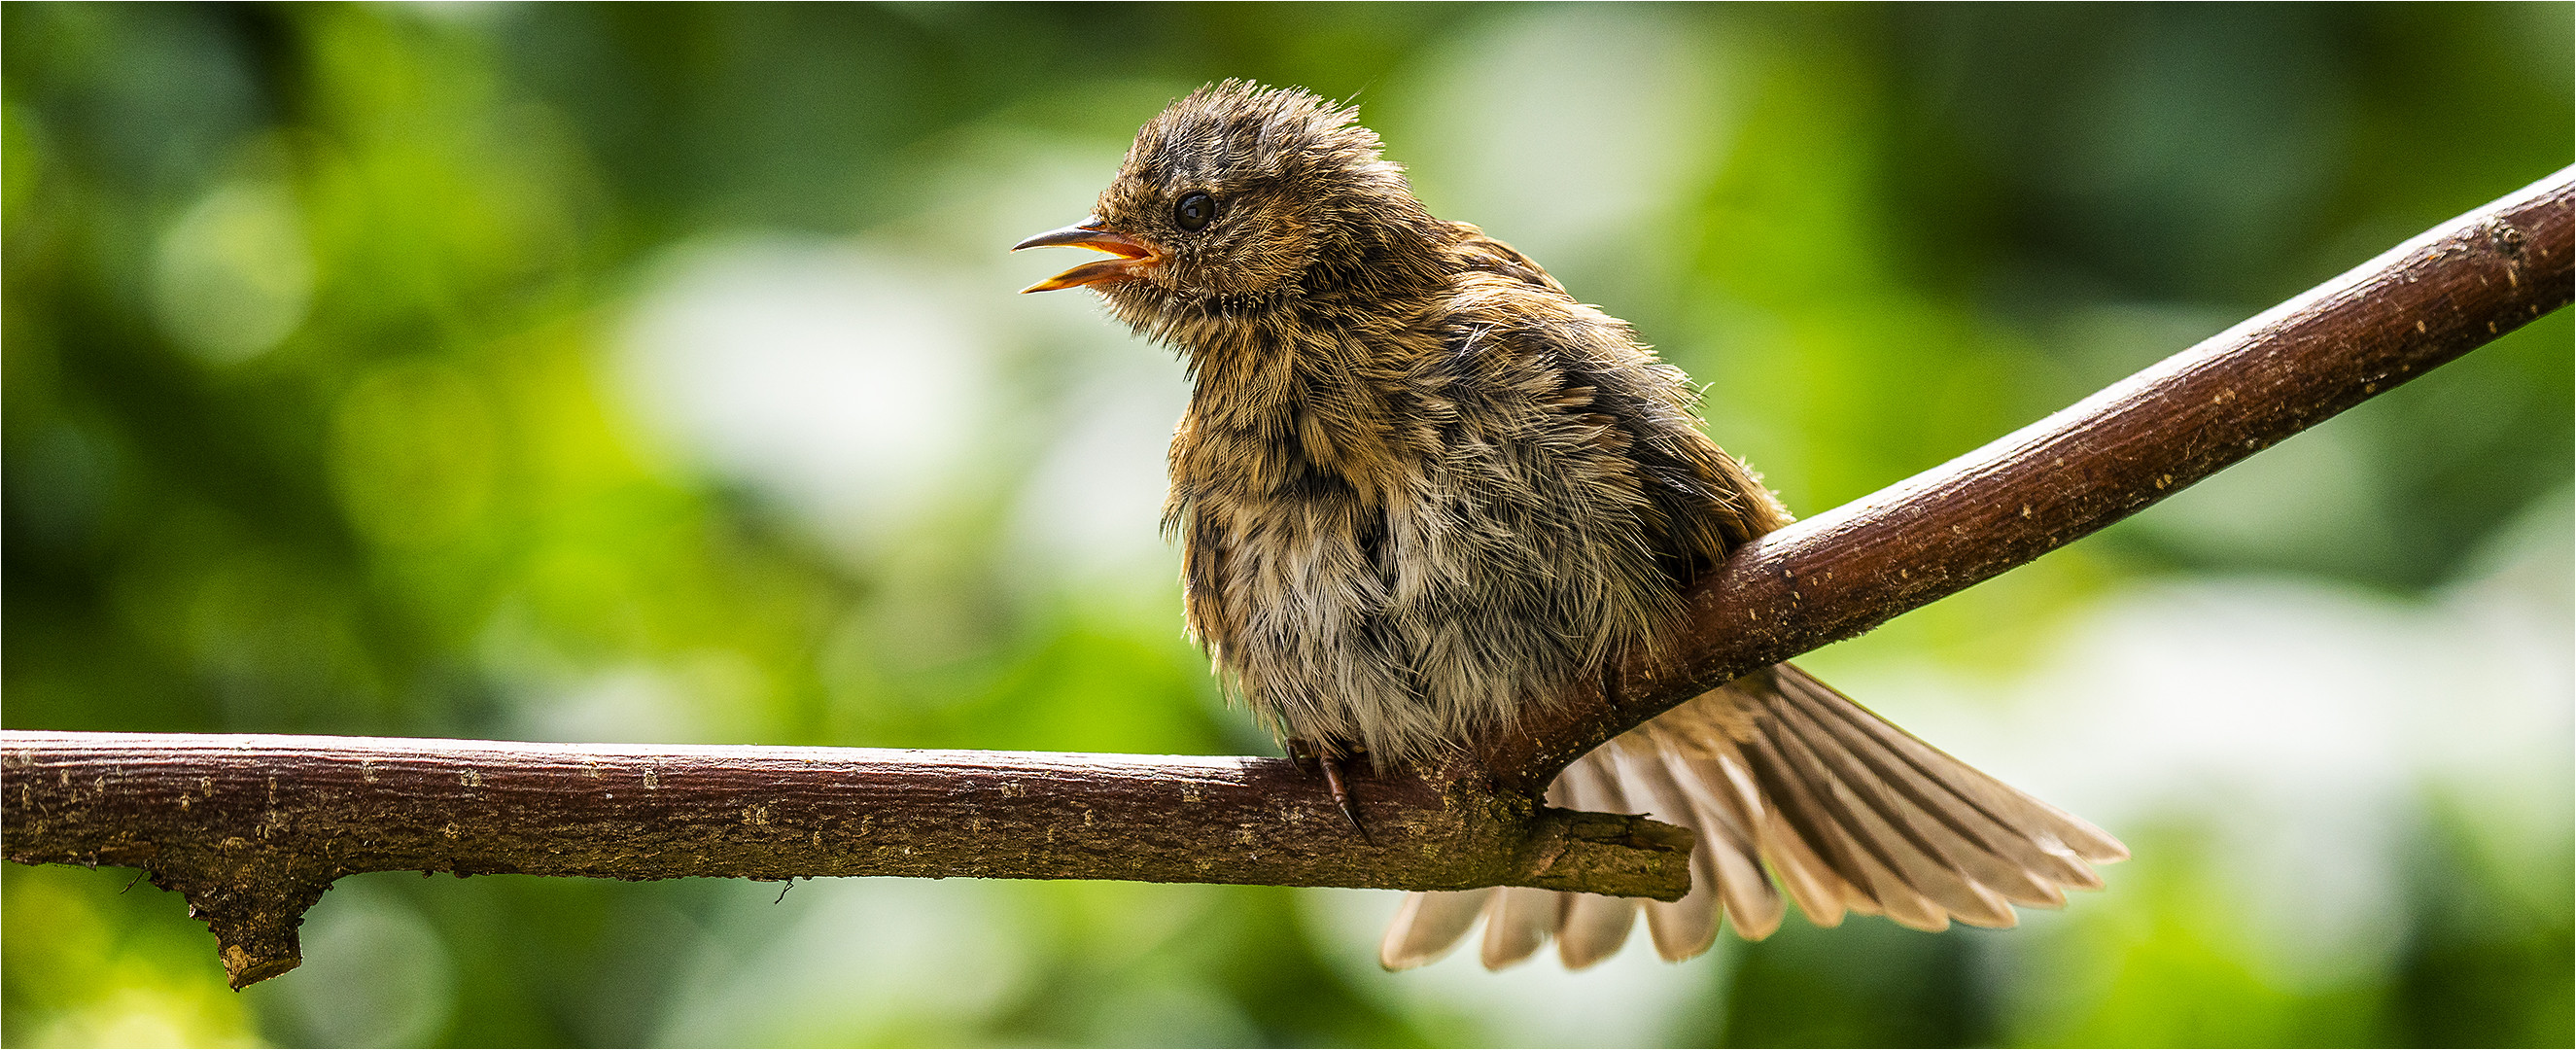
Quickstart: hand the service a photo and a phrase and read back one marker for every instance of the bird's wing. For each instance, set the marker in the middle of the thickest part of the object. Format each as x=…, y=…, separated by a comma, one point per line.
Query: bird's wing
x=1850, y=813
x=1698, y=501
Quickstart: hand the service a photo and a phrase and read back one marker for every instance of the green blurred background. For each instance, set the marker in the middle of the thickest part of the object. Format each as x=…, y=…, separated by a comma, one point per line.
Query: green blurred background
x=654, y=373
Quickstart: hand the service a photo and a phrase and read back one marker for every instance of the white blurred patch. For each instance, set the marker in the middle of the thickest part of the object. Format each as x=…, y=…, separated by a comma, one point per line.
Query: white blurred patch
x=2271, y=714
x=629, y=704
x=1563, y=130
x=1632, y=999
x=850, y=962
x=233, y=276
x=2505, y=752
x=2313, y=499
x=375, y=973
x=844, y=383
x=1092, y=511
x=702, y=696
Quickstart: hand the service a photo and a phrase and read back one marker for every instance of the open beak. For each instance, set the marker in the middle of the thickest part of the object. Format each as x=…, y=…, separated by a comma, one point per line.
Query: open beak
x=1133, y=256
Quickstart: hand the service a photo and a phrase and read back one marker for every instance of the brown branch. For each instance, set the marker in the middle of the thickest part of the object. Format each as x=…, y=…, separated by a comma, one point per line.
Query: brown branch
x=252, y=829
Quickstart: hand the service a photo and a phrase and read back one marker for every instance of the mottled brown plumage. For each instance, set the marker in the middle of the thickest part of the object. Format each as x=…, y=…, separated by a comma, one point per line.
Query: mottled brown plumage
x=1419, y=488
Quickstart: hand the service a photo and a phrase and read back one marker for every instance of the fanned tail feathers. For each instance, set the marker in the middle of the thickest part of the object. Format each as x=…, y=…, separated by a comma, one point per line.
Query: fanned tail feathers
x=1776, y=769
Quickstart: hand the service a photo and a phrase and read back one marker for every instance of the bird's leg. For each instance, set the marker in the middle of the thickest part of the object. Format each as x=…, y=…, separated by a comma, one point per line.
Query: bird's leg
x=1325, y=760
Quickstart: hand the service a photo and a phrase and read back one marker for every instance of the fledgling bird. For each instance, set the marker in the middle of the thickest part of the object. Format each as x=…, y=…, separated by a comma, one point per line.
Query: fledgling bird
x=1419, y=489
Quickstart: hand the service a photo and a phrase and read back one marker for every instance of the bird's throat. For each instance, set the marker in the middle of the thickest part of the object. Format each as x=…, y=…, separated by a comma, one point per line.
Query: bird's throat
x=1293, y=408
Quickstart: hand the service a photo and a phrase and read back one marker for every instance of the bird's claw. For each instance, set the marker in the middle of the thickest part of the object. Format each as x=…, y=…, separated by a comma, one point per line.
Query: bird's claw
x=1303, y=752
x=1342, y=795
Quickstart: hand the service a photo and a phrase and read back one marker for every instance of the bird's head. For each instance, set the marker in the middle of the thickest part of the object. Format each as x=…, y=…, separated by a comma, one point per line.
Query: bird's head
x=1240, y=198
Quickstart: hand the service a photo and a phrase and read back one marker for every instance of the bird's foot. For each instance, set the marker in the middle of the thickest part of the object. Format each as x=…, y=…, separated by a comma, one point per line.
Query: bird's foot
x=1316, y=759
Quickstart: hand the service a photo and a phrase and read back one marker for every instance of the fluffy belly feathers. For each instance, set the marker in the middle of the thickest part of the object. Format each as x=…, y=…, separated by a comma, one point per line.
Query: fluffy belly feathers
x=1409, y=623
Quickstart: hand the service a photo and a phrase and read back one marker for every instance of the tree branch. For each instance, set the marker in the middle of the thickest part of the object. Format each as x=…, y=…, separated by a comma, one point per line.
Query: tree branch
x=252, y=829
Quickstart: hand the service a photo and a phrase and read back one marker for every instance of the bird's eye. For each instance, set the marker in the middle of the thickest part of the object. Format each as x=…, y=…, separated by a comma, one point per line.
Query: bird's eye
x=1194, y=212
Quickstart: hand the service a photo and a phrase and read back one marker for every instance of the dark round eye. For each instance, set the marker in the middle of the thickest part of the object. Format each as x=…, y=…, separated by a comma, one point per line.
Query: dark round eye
x=1194, y=212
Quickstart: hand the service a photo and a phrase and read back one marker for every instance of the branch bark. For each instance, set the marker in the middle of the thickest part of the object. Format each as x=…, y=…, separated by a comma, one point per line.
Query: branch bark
x=253, y=829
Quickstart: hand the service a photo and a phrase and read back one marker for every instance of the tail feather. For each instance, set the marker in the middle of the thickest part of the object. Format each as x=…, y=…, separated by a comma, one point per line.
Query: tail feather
x=1429, y=925
x=1724, y=783
x=1518, y=922
x=1807, y=807
x=1594, y=926
x=1882, y=871
x=1686, y=927
x=1821, y=893
x=1914, y=885
x=1753, y=905
x=1683, y=928
x=2060, y=832
x=1976, y=842
x=1776, y=769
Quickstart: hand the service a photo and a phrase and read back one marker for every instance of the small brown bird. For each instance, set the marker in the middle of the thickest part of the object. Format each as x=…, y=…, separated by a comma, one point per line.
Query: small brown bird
x=1419, y=488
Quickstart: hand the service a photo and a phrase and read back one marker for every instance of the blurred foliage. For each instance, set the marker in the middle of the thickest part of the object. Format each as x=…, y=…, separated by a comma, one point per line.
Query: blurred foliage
x=322, y=414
